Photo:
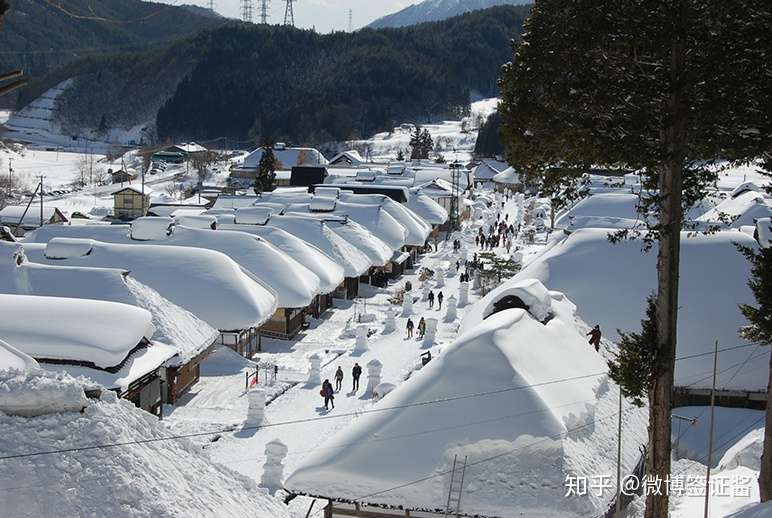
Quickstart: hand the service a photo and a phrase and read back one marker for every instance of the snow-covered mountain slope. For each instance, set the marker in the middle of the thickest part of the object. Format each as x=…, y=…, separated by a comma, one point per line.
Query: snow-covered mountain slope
x=435, y=10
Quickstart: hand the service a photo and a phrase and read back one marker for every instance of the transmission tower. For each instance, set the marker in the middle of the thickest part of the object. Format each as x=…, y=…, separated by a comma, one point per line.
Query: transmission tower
x=246, y=10
x=211, y=5
x=289, y=14
x=350, y=20
x=264, y=11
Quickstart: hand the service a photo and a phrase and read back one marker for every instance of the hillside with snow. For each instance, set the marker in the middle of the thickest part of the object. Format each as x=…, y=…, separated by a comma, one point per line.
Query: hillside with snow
x=436, y=10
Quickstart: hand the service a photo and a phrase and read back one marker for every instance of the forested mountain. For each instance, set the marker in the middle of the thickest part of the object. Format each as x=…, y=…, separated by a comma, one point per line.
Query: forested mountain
x=436, y=10
x=250, y=82
x=38, y=35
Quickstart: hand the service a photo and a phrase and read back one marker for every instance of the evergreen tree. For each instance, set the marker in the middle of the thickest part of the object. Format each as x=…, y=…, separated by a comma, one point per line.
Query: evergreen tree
x=400, y=155
x=759, y=330
x=633, y=366
x=661, y=87
x=417, y=145
x=266, y=170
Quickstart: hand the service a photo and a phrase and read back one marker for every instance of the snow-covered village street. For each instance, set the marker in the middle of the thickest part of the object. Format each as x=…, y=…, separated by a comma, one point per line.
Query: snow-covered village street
x=334, y=258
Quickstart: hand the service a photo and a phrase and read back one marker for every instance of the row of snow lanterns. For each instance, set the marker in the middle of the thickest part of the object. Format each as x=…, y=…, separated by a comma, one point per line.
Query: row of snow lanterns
x=276, y=451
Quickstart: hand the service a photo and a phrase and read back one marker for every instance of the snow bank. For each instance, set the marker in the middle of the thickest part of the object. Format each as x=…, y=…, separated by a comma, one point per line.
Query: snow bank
x=148, y=475
x=609, y=285
x=330, y=273
x=36, y=393
x=503, y=370
x=195, y=279
x=57, y=328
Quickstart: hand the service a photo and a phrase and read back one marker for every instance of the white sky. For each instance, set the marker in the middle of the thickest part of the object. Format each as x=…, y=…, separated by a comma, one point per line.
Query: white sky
x=324, y=15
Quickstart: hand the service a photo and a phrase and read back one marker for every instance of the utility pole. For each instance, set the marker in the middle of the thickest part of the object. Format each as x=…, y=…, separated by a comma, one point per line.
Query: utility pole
x=618, y=513
x=10, y=179
x=289, y=14
x=710, y=433
x=264, y=12
x=455, y=176
x=41, y=199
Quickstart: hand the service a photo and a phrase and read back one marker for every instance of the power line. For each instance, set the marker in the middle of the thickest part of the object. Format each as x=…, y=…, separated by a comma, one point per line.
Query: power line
x=330, y=416
x=97, y=18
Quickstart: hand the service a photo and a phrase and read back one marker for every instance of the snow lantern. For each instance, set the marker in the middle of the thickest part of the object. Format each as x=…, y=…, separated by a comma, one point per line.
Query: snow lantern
x=425, y=291
x=273, y=469
x=463, y=294
x=314, y=369
x=431, y=331
x=440, y=278
x=390, y=324
x=451, y=314
x=407, y=305
x=464, y=254
x=361, y=343
x=374, y=368
x=476, y=280
x=19, y=256
x=256, y=409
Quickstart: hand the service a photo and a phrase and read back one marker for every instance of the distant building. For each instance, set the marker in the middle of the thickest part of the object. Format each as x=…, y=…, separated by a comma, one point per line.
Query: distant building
x=348, y=159
x=186, y=148
x=130, y=203
x=20, y=218
x=123, y=176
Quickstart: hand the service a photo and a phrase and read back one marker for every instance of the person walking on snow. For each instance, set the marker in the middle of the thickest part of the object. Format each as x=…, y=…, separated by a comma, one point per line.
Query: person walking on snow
x=355, y=373
x=595, y=335
x=328, y=394
x=338, y=379
x=410, y=326
x=440, y=296
x=431, y=299
x=421, y=327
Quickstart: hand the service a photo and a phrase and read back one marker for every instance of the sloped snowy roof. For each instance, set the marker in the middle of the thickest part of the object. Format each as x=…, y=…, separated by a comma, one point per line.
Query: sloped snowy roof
x=56, y=328
x=594, y=210
x=11, y=214
x=418, y=230
x=743, y=188
x=329, y=272
x=379, y=222
x=192, y=278
x=134, y=188
x=228, y=201
x=253, y=215
x=351, y=157
x=152, y=477
x=488, y=169
x=317, y=233
x=743, y=209
x=287, y=158
x=498, y=379
x=609, y=284
x=426, y=208
x=376, y=251
x=508, y=176
x=294, y=285
x=202, y=221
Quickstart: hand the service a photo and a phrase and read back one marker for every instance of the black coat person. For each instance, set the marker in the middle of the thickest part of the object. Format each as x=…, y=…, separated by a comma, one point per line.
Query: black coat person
x=431, y=299
x=410, y=327
x=356, y=372
x=440, y=296
x=328, y=394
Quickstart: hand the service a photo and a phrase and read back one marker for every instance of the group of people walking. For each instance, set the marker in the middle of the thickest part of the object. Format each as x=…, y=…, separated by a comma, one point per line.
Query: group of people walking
x=328, y=393
x=421, y=327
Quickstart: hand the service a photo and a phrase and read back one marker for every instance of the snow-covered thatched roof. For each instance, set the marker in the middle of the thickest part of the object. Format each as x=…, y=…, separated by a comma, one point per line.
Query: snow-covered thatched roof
x=329, y=272
x=602, y=210
x=143, y=476
x=417, y=229
x=174, y=326
x=495, y=401
x=15, y=215
x=488, y=168
x=192, y=278
x=609, y=284
x=508, y=177
x=74, y=330
x=742, y=209
x=426, y=208
x=287, y=157
x=293, y=284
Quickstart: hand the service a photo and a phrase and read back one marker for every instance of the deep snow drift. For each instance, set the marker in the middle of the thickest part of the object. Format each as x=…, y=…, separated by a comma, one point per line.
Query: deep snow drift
x=146, y=476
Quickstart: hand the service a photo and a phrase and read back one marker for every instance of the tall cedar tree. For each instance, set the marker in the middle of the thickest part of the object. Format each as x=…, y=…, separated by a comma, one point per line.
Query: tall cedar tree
x=759, y=330
x=266, y=170
x=654, y=86
x=421, y=144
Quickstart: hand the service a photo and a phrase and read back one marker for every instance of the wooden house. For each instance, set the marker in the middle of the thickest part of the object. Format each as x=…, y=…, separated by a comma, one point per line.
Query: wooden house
x=130, y=202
